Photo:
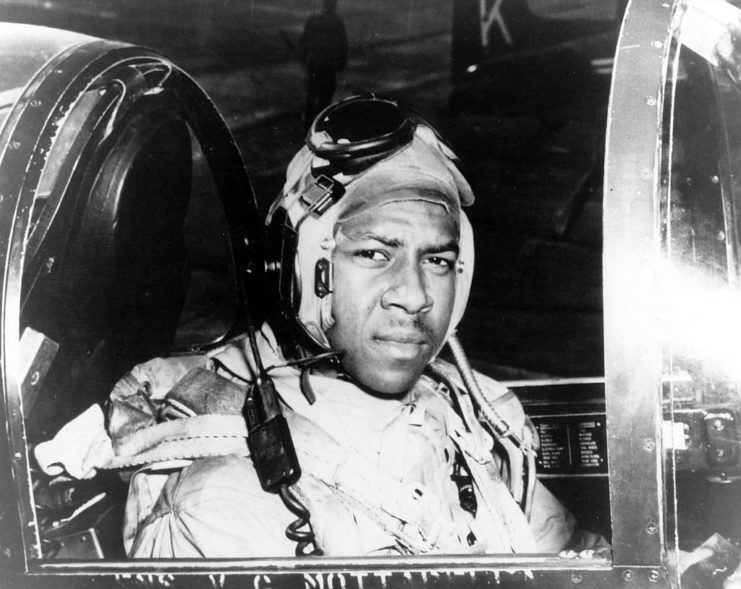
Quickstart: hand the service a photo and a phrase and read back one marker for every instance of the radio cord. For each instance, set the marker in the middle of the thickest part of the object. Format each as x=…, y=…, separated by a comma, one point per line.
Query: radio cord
x=299, y=530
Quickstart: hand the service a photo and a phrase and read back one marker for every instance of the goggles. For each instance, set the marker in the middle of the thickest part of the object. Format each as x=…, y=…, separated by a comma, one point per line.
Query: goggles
x=357, y=132
x=351, y=136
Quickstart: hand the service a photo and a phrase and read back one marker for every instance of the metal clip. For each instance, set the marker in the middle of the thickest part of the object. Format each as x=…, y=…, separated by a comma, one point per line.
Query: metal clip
x=323, y=277
x=322, y=194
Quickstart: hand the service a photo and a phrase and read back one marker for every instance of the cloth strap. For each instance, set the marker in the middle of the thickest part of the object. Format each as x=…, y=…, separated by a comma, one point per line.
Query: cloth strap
x=408, y=512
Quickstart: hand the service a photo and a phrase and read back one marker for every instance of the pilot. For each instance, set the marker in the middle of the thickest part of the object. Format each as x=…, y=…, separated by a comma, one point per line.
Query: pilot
x=390, y=450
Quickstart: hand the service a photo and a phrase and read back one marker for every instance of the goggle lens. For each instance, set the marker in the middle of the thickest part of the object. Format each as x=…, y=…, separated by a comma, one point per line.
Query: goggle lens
x=361, y=129
x=360, y=120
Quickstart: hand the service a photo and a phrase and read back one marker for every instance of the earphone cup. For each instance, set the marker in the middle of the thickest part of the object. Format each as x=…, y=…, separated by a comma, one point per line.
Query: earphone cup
x=283, y=288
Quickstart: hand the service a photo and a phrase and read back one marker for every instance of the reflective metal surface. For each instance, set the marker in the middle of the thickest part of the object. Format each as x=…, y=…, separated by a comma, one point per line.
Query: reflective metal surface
x=699, y=293
x=22, y=56
x=631, y=248
x=671, y=294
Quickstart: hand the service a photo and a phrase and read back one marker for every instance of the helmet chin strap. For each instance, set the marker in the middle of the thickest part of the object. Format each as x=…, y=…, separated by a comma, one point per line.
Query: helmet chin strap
x=324, y=282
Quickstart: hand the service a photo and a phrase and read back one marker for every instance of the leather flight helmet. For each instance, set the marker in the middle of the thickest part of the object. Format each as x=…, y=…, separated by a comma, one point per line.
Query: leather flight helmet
x=349, y=145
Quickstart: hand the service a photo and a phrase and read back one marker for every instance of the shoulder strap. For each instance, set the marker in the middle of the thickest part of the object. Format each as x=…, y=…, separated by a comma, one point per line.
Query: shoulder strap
x=410, y=513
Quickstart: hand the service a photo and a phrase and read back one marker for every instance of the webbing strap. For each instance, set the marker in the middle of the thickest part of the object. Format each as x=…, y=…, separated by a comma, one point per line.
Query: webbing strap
x=408, y=512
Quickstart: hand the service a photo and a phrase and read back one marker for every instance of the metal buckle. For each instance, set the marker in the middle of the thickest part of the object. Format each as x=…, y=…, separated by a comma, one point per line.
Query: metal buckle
x=322, y=194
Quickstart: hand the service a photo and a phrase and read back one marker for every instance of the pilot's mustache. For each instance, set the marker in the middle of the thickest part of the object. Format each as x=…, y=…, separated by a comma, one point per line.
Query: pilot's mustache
x=417, y=324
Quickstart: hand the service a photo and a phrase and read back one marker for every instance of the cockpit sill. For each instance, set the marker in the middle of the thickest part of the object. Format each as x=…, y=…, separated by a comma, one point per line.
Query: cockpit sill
x=365, y=572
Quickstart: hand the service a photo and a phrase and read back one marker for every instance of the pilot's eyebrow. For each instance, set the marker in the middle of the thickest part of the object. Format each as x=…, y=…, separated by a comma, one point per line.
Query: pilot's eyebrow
x=387, y=241
x=449, y=246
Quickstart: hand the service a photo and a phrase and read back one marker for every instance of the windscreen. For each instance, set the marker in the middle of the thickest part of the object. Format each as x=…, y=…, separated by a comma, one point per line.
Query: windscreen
x=699, y=293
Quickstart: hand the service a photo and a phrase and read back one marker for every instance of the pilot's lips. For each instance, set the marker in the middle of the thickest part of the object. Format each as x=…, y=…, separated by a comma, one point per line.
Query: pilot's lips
x=402, y=345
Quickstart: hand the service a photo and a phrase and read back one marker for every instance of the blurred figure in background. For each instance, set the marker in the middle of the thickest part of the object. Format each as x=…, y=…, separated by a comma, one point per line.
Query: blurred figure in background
x=323, y=52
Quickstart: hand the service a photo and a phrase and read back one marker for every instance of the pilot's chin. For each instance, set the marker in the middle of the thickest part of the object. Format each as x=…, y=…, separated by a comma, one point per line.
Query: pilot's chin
x=389, y=381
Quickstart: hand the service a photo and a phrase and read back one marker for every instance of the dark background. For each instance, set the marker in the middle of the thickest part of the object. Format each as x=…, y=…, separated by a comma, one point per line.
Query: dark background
x=530, y=136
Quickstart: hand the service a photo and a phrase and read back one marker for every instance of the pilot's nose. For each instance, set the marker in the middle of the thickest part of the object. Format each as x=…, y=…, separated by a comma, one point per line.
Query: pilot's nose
x=408, y=290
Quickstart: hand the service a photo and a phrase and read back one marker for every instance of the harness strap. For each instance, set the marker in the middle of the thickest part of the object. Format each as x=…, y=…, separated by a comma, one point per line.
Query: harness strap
x=408, y=512
x=521, y=457
x=504, y=517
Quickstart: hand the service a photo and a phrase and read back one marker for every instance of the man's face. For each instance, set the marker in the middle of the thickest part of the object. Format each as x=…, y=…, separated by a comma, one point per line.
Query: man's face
x=394, y=287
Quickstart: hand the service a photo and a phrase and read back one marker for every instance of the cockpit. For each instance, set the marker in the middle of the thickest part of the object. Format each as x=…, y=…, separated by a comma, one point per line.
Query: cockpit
x=130, y=230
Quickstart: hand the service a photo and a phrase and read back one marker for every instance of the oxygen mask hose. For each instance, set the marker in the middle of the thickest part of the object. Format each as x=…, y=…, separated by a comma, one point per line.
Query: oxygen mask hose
x=523, y=479
x=501, y=427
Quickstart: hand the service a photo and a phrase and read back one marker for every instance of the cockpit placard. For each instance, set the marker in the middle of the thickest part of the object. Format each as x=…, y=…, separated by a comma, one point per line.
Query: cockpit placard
x=572, y=444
